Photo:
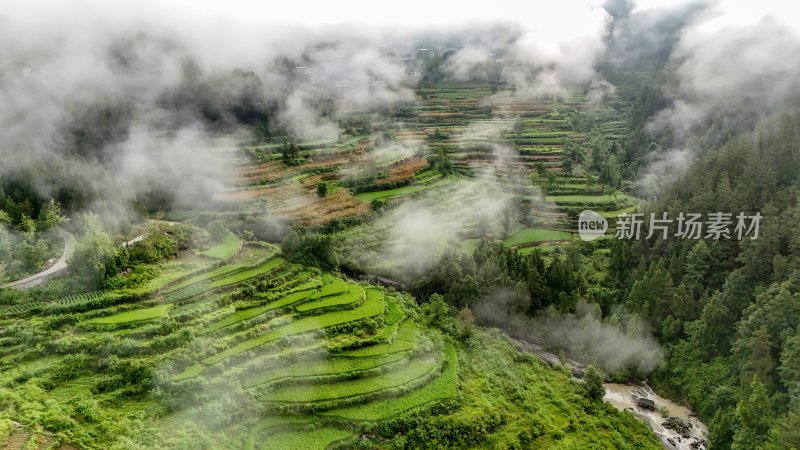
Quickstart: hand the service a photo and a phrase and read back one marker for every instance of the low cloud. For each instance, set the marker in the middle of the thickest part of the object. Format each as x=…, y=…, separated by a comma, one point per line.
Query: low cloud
x=582, y=335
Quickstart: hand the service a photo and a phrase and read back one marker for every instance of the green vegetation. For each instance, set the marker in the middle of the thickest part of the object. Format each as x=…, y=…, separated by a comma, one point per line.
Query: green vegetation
x=399, y=192
x=225, y=249
x=97, y=258
x=244, y=314
x=314, y=439
x=331, y=286
x=354, y=294
x=393, y=312
x=580, y=198
x=251, y=256
x=132, y=316
x=727, y=311
x=224, y=270
x=240, y=276
x=252, y=317
x=414, y=371
x=405, y=341
x=329, y=367
x=371, y=307
x=28, y=235
x=594, y=384
x=533, y=235
x=442, y=388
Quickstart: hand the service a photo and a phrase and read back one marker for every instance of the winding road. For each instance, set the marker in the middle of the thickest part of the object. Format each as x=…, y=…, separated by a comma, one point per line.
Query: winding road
x=60, y=265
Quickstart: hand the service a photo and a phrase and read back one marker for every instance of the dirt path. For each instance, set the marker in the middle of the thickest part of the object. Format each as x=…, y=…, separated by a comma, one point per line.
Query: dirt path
x=60, y=265
x=142, y=236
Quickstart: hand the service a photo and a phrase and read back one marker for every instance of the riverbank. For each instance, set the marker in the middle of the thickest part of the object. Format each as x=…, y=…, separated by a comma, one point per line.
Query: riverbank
x=676, y=426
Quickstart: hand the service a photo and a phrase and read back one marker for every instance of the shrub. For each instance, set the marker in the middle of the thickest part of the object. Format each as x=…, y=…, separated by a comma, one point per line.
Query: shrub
x=155, y=247
x=594, y=384
x=322, y=189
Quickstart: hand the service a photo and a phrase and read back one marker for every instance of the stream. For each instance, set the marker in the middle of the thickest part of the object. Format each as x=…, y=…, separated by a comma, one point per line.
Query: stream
x=686, y=432
x=624, y=397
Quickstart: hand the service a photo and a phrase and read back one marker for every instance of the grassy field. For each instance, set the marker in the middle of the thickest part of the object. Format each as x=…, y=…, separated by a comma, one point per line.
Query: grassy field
x=533, y=235
x=315, y=368
x=304, y=439
x=224, y=270
x=543, y=248
x=402, y=191
x=585, y=198
x=225, y=249
x=444, y=387
x=468, y=245
x=353, y=295
x=393, y=312
x=251, y=256
x=406, y=340
x=268, y=423
x=301, y=393
x=331, y=286
x=168, y=272
x=238, y=277
x=248, y=313
x=133, y=316
x=371, y=307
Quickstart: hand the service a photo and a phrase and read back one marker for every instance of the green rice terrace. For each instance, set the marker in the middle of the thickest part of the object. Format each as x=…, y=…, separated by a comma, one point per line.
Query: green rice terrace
x=296, y=358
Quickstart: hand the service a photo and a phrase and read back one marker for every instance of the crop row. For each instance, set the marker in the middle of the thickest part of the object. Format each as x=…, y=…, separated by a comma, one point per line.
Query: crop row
x=305, y=439
x=244, y=314
x=405, y=341
x=371, y=307
x=306, y=393
x=445, y=386
x=72, y=302
x=330, y=287
x=183, y=294
x=325, y=367
x=271, y=424
x=21, y=308
x=135, y=315
x=238, y=277
x=352, y=296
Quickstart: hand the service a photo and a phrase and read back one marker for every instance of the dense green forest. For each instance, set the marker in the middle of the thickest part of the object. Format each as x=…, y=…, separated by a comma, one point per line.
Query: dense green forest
x=727, y=311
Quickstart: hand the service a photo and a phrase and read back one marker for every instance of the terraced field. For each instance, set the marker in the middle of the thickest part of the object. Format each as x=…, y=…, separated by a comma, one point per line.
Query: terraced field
x=381, y=367
x=535, y=236
x=403, y=191
x=132, y=316
x=514, y=141
x=509, y=144
x=225, y=249
x=71, y=302
x=442, y=388
x=316, y=352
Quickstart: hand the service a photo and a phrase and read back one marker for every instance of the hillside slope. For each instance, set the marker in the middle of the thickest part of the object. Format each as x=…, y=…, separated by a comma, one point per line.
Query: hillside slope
x=262, y=353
